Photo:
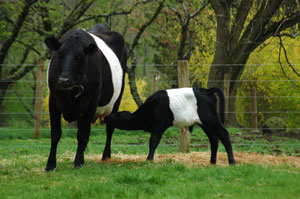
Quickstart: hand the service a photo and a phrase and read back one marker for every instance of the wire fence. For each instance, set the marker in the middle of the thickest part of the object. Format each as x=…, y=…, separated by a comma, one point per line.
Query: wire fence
x=18, y=102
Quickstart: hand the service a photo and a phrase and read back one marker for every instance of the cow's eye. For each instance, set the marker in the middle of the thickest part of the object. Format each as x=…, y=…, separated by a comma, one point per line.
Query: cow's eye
x=60, y=56
x=79, y=57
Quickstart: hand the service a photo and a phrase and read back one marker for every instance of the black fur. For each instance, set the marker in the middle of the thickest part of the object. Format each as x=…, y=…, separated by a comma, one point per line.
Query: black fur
x=80, y=80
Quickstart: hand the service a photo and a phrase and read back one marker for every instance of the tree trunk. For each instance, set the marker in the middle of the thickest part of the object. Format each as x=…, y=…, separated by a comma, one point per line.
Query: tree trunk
x=235, y=41
x=132, y=83
x=3, y=89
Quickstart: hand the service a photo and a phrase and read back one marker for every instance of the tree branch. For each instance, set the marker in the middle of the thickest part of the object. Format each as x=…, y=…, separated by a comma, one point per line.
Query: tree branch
x=131, y=71
x=181, y=21
x=256, y=27
x=143, y=27
x=132, y=84
x=114, y=13
x=74, y=16
x=239, y=21
x=199, y=10
x=24, y=105
x=286, y=57
x=16, y=68
x=15, y=32
x=277, y=27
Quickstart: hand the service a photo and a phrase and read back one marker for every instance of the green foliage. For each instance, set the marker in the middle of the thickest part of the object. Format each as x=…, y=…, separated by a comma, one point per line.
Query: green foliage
x=275, y=95
x=127, y=102
x=275, y=124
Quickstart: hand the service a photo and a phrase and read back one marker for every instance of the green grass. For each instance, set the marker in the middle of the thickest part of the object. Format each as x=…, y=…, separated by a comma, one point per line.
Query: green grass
x=23, y=159
x=149, y=180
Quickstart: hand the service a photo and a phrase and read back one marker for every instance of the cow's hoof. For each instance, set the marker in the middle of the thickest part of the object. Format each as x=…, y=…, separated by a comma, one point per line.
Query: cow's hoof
x=78, y=166
x=232, y=163
x=213, y=163
x=50, y=168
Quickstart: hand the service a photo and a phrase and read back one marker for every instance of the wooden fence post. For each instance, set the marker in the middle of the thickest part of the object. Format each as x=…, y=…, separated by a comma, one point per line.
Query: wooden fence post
x=226, y=94
x=38, y=107
x=183, y=81
x=254, y=109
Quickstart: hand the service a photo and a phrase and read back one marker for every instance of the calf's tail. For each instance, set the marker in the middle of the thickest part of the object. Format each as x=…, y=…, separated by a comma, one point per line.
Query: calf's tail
x=220, y=94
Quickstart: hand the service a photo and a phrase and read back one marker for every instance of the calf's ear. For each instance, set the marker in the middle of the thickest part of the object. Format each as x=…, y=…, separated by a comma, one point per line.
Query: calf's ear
x=91, y=49
x=52, y=43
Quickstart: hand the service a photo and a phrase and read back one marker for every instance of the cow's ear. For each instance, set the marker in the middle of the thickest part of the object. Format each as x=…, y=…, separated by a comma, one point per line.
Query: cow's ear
x=91, y=49
x=52, y=43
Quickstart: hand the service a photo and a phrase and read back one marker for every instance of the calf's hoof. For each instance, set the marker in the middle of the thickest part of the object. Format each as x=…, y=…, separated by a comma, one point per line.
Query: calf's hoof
x=105, y=158
x=106, y=155
x=149, y=158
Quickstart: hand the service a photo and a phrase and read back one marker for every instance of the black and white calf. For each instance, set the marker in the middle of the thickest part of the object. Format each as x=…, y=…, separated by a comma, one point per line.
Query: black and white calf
x=183, y=107
x=86, y=73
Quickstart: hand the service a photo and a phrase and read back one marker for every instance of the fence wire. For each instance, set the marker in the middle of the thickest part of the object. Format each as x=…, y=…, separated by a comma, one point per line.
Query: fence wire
x=26, y=93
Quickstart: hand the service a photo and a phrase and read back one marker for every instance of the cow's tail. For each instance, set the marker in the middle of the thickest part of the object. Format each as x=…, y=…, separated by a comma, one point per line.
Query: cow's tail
x=220, y=94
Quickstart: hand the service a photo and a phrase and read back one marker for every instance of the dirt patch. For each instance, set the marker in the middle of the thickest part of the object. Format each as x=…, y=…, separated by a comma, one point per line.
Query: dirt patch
x=202, y=159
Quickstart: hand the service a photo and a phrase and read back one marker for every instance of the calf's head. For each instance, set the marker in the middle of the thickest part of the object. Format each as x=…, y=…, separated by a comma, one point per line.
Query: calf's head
x=71, y=54
x=121, y=120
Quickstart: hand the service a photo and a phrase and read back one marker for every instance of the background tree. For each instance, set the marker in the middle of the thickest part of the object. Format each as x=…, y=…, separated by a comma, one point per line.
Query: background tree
x=241, y=27
x=131, y=54
x=175, y=37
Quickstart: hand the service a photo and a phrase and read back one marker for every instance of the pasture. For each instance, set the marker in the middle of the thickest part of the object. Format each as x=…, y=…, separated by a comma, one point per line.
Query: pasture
x=267, y=167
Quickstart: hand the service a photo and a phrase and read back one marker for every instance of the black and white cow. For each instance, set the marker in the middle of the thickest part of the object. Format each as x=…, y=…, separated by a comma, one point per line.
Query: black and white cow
x=85, y=74
x=183, y=107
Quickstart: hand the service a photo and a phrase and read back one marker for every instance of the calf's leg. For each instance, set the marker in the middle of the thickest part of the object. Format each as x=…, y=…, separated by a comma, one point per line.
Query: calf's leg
x=213, y=140
x=153, y=143
x=223, y=135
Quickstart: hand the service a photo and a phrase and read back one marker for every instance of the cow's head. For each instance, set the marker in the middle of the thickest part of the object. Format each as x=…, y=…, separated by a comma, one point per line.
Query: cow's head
x=72, y=55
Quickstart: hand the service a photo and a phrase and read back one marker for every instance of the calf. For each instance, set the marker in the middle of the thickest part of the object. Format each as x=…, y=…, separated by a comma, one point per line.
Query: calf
x=183, y=107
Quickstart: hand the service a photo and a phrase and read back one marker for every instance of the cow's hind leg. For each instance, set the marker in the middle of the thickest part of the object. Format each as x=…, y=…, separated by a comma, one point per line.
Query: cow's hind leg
x=107, y=150
x=213, y=144
x=55, y=121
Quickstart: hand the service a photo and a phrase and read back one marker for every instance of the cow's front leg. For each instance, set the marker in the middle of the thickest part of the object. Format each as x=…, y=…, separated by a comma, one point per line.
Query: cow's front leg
x=55, y=121
x=83, y=134
x=107, y=150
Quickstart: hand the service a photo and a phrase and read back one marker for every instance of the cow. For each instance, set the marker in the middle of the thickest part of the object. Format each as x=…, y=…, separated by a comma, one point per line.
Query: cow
x=183, y=107
x=85, y=77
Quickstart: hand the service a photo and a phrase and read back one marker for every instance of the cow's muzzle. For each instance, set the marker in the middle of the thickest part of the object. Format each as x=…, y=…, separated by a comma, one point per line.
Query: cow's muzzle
x=64, y=82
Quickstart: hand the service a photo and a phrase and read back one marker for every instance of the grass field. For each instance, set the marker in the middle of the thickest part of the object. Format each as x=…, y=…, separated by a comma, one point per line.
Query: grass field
x=23, y=159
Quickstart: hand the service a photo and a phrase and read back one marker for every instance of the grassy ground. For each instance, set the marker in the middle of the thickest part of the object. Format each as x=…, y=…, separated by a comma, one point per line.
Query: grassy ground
x=22, y=162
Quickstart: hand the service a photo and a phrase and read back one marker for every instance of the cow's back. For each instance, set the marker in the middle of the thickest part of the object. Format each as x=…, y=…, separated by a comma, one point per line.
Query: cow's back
x=114, y=40
x=183, y=105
